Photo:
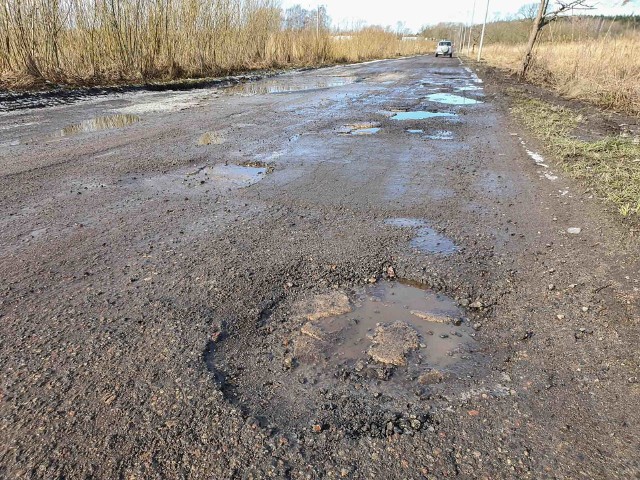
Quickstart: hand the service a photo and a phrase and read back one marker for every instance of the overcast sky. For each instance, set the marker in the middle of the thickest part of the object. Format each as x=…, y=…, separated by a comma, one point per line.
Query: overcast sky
x=416, y=13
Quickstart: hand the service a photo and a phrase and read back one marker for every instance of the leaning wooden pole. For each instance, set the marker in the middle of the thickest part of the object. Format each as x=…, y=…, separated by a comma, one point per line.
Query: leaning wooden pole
x=538, y=23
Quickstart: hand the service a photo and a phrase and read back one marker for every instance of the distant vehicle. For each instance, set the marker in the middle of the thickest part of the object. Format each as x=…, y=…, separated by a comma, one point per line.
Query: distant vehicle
x=444, y=48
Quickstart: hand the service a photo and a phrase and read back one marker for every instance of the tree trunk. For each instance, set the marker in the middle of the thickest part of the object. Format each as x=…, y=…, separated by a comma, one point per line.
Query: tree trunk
x=538, y=23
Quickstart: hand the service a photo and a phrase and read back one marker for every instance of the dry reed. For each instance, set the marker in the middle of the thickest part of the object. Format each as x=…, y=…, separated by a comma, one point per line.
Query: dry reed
x=86, y=42
x=605, y=71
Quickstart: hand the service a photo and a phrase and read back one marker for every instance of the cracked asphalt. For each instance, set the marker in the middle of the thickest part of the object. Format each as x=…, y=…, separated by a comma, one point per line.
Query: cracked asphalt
x=156, y=248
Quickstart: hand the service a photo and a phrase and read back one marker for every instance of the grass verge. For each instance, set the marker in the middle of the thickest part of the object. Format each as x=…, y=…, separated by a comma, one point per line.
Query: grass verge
x=609, y=166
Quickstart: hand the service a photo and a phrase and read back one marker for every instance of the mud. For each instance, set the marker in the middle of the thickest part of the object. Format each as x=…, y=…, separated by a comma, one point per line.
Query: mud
x=233, y=310
x=426, y=239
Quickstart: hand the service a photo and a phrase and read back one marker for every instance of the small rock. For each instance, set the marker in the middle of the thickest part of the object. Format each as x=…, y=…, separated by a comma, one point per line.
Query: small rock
x=430, y=317
x=430, y=378
x=551, y=287
x=574, y=230
x=391, y=343
x=316, y=428
x=585, y=309
x=477, y=304
x=560, y=317
x=289, y=362
x=464, y=302
x=391, y=273
x=477, y=326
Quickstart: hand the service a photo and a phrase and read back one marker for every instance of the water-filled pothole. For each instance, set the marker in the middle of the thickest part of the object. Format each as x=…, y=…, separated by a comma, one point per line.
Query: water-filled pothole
x=99, y=123
x=426, y=239
x=392, y=324
x=362, y=128
x=362, y=362
x=280, y=85
x=366, y=131
x=420, y=115
x=451, y=99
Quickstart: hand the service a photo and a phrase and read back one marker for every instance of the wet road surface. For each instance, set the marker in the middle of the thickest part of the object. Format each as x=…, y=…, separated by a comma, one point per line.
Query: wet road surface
x=360, y=271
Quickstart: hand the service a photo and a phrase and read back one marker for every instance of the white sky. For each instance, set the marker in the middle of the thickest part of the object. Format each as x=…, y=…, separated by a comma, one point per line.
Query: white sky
x=416, y=13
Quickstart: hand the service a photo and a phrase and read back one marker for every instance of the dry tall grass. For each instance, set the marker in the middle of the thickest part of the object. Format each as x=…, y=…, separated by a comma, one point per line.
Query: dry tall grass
x=82, y=42
x=604, y=71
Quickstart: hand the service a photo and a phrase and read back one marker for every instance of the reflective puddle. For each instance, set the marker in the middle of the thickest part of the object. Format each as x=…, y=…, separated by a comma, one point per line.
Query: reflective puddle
x=288, y=85
x=366, y=131
x=421, y=115
x=451, y=99
x=415, y=131
x=99, y=123
x=427, y=240
x=364, y=128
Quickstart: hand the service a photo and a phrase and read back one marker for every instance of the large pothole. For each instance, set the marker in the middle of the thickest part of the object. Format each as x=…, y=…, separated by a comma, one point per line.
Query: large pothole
x=372, y=361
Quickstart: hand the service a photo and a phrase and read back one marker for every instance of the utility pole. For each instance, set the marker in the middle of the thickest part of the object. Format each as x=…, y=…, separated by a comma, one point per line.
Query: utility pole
x=484, y=27
x=473, y=13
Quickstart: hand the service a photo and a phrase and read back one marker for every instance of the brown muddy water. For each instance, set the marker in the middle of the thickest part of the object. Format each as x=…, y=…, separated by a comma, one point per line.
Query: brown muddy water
x=95, y=124
x=435, y=318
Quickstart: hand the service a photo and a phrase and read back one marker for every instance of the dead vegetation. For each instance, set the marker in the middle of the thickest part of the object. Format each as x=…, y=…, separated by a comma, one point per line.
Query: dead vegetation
x=125, y=41
x=605, y=72
x=610, y=166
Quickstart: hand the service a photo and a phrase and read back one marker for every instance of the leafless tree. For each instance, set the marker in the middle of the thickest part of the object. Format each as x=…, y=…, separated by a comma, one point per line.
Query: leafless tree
x=544, y=17
x=528, y=11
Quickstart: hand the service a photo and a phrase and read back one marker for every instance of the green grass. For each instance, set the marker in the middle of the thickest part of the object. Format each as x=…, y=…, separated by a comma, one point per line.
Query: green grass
x=609, y=166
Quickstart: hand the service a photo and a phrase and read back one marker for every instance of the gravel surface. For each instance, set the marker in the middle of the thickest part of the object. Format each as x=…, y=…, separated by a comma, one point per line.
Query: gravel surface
x=157, y=278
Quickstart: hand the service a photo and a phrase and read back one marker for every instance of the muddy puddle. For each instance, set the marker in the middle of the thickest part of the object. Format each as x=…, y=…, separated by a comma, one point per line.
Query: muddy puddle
x=394, y=324
x=283, y=85
x=362, y=361
x=107, y=122
x=451, y=99
x=421, y=115
x=426, y=239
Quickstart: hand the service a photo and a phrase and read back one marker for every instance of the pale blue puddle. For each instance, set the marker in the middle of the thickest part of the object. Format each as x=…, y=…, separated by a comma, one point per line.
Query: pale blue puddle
x=451, y=99
x=415, y=131
x=366, y=131
x=421, y=115
x=427, y=240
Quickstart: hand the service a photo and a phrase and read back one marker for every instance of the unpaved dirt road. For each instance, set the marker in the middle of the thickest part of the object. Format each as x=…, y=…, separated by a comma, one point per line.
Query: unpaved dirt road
x=184, y=288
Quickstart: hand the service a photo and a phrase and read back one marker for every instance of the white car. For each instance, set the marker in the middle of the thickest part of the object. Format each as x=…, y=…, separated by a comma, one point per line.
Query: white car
x=444, y=48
